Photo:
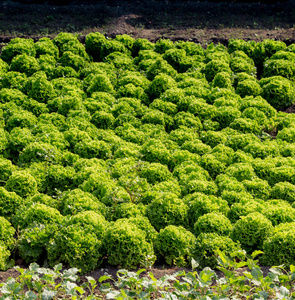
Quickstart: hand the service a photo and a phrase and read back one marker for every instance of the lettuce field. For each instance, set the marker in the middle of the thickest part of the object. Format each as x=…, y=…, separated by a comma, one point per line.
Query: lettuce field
x=131, y=152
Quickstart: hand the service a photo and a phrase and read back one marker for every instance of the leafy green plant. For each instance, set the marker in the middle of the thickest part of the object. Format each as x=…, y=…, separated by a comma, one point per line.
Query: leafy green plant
x=167, y=209
x=213, y=222
x=200, y=204
x=36, y=213
x=18, y=46
x=251, y=231
x=208, y=243
x=277, y=90
x=75, y=246
x=279, y=248
x=76, y=201
x=175, y=244
x=22, y=183
x=125, y=245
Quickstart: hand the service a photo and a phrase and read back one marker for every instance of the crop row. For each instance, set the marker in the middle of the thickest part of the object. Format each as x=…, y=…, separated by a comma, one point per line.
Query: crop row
x=131, y=152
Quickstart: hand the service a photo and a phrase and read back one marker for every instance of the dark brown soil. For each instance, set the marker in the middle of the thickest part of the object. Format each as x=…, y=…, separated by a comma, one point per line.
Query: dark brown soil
x=202, y=22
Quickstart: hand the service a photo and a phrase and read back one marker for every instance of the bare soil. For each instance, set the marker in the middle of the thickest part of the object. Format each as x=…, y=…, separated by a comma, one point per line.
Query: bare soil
x=201, y=22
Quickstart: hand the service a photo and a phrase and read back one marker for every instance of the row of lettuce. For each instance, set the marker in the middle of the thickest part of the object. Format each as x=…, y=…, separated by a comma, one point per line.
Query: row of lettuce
x=131, y=151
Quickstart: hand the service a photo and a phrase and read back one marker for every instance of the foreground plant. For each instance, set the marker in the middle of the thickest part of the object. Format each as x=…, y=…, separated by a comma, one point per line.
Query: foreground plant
x=242, y=279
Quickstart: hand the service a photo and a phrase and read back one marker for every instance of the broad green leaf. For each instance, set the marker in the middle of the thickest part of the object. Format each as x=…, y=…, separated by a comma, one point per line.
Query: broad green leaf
x=91, y=280
x=31, y=295
x=57, y=267
x=257, y=274
x=284, y=291
x=80, y=290
x=48, y=294
x=194, y=264
x=255, y=253
x=104, y=278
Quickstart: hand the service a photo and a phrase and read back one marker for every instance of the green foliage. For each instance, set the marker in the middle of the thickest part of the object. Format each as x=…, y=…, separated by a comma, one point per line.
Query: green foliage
x=162, y=45
x=75, y=246
x=98, y=83
x=141, y=44
x=208, y=243
x=126, y=210
x=225, y=115
x=226, y=182
x=262, y=150
x=281, y=174
x=155, y=172
x=144, y=224
x=241, y=62
x=8, y=94
x=7, y=234
x=22, y=183
x=175, y=244
x=33, y=240
x=246, y=125
x=200, y=108
x=222, y=80
x=258, y=188
x=126, y=246
x=279, y=249
x=10, y=202
x=126, y=128
x=196, y=146
x=64, y=104
x=177, y=59
x=248, y=87
x=22, y=119
x=36, y=213
x=200, y=204
x=213, y=138
x=287, y=134
x=240, y=171
x=284, y=191
x=279, y=67
x=251, y=231
x=4, y=257
x=6, y=169
x=155, y=151
x=214, y=166
x=77, y=201
x=90, y=220
x=182, y=134
x=18, y=46
x=93, y=148
x=160, y=84
x=278, y=91
x=103, y=120
x=44, y=199
x=167, y=209
x=13, y=80
x=278, y=211
x=126, y=40
x=243, y=208
x=94, y=43
x=69, y=59
x=25, y=64
x=234, y=197
x=215, y=66
x=37, y=152
x=46, y=46
x=213, y=222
